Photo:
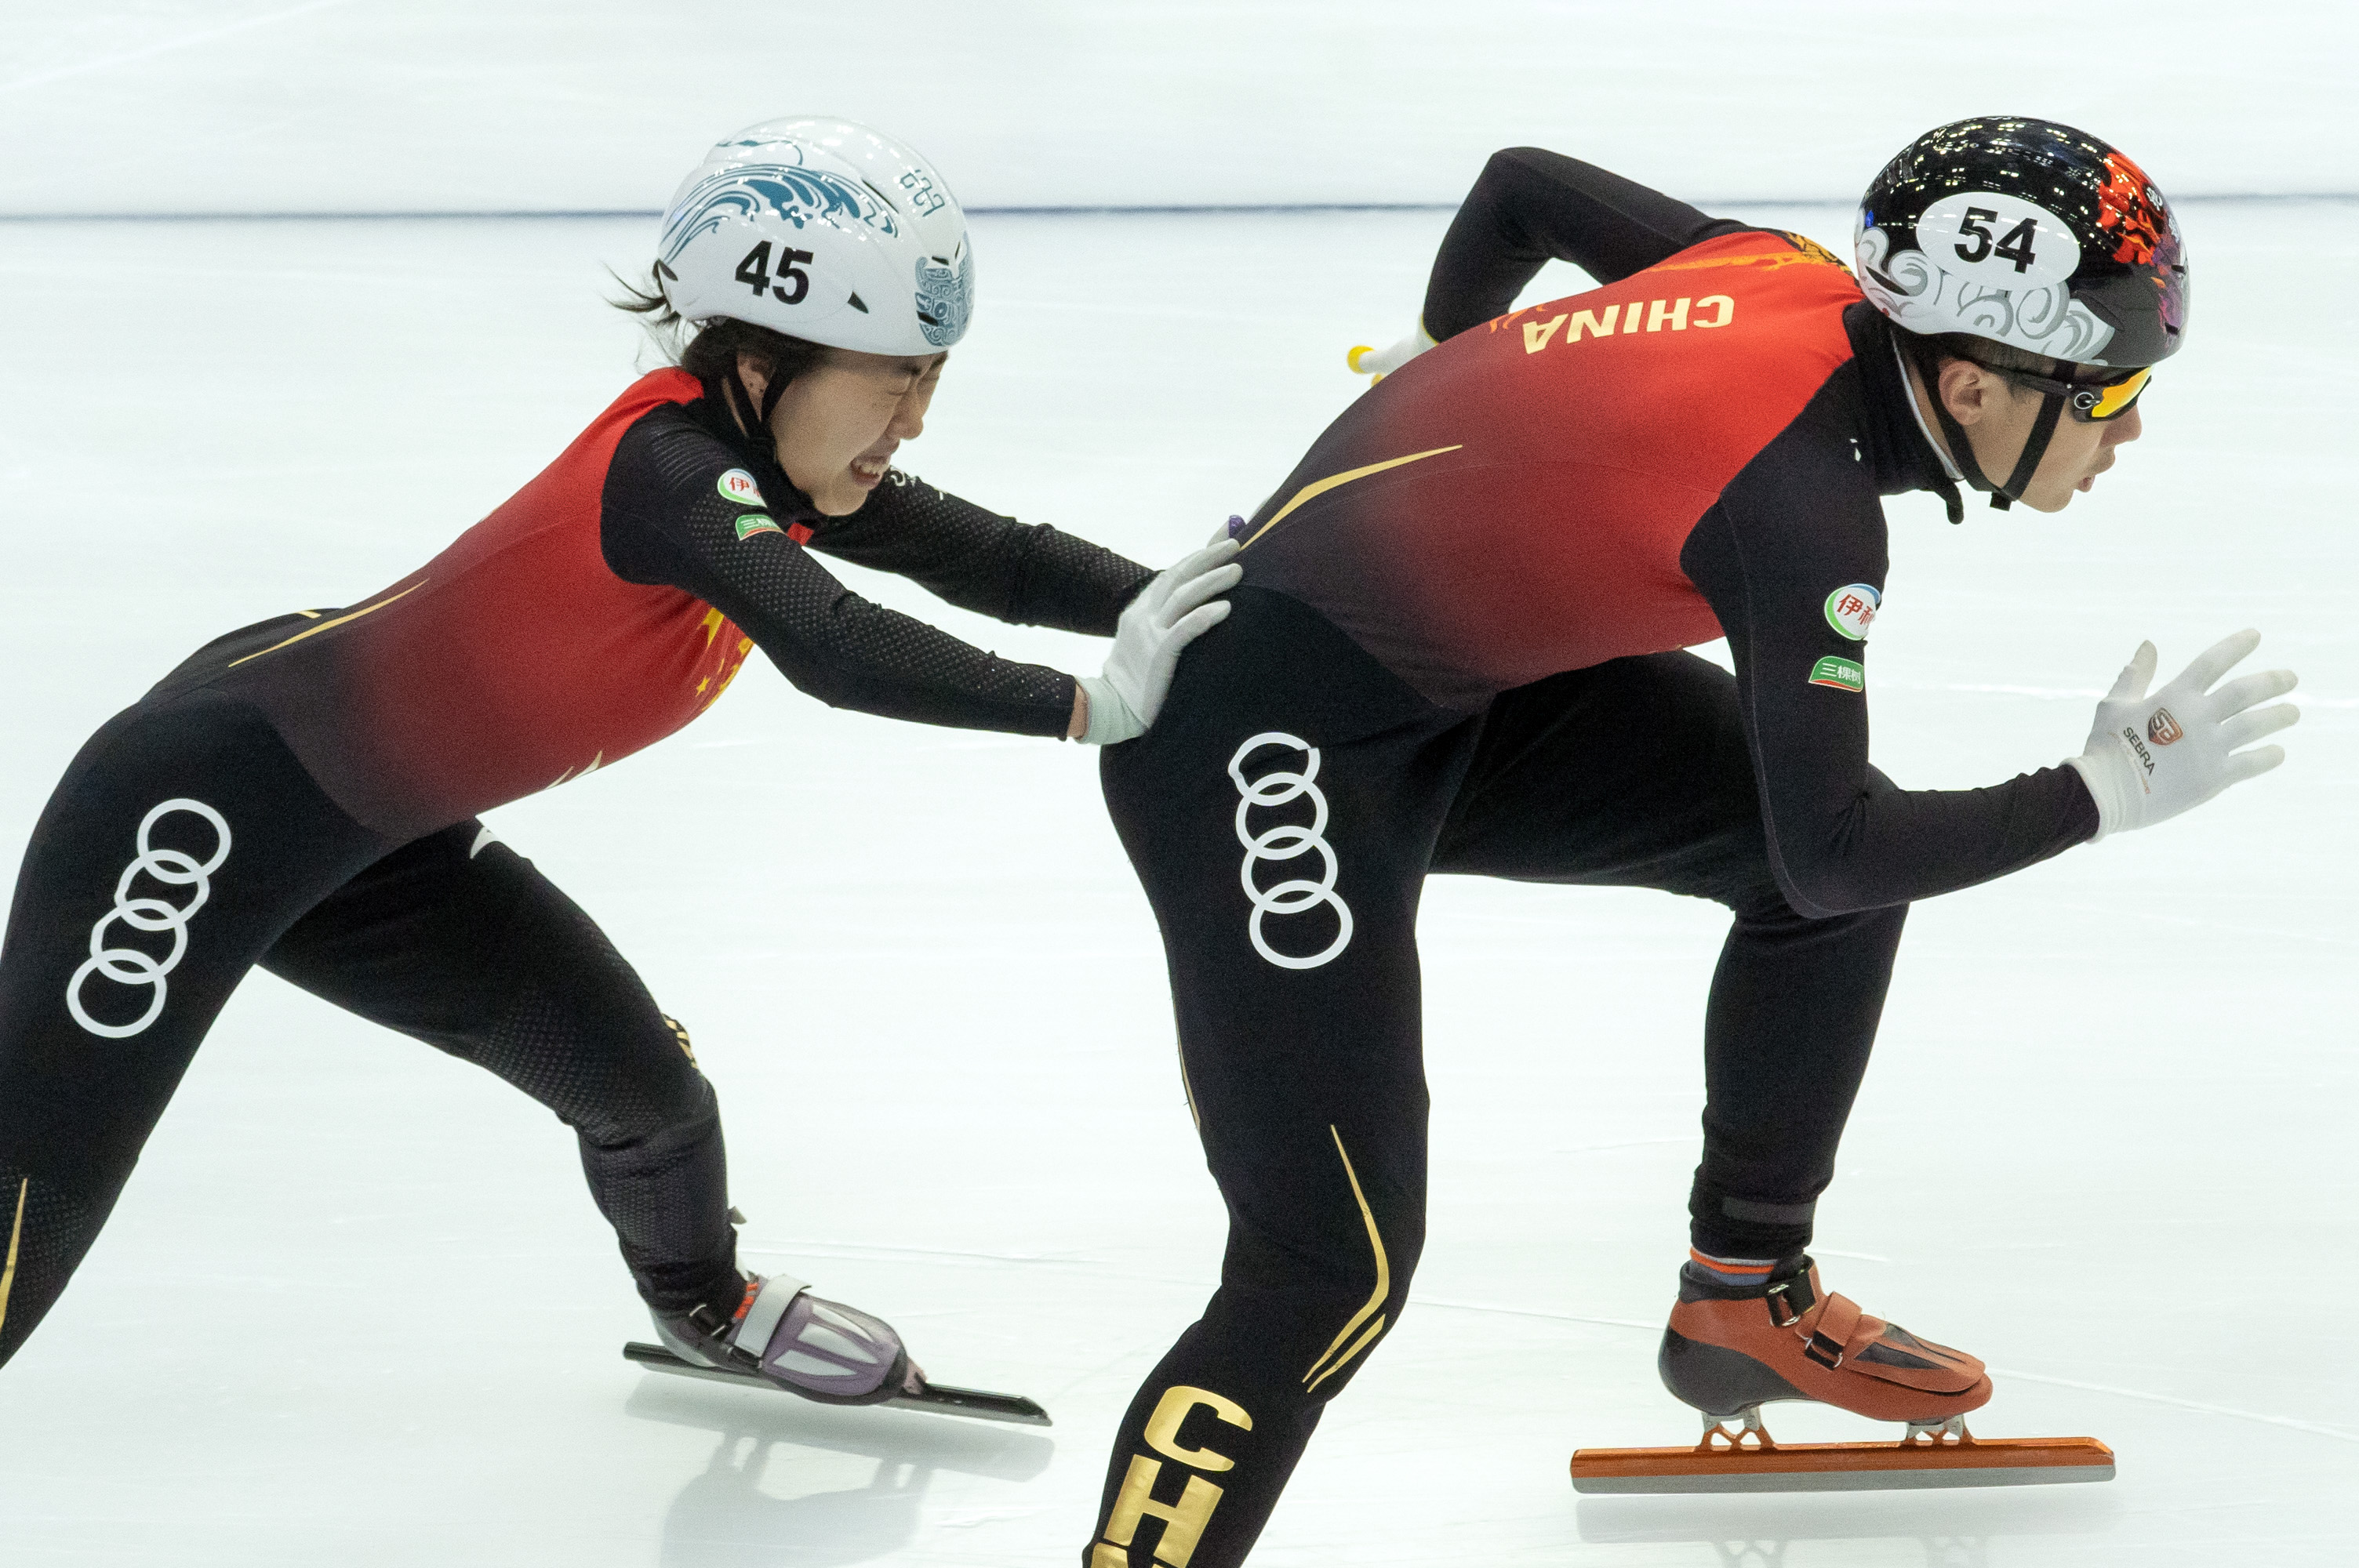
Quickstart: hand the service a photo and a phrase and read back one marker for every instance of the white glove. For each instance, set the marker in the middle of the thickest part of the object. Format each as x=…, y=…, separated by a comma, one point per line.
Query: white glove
x=2153, y=757
x=1378, y=364
x=1180, y=605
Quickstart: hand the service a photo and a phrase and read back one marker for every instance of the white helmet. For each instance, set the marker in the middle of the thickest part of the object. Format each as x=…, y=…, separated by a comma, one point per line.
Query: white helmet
x=825, y=230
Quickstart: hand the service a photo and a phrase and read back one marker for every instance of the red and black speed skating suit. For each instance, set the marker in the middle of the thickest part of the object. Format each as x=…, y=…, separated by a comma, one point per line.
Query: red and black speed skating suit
x=303, y=795
x=1457, y=648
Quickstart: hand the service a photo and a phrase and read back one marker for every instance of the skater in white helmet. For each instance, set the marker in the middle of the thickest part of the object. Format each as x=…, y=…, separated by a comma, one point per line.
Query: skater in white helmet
x=303, y=795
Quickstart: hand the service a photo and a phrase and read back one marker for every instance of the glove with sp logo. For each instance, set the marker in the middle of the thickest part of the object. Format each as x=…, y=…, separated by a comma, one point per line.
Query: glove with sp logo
x=1378, y=364
x=2151, y=758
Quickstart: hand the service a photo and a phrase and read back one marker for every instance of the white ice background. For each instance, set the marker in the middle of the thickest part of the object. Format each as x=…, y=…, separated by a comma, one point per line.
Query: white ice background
x=355, y=1306
x=132, y=107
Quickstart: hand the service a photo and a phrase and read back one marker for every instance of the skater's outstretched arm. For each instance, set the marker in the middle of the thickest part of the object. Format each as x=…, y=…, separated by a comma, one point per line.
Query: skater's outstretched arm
x=1531, y=206
x=1792, y=561
x=679, y=508
x=1029, y=574
x=667, y=519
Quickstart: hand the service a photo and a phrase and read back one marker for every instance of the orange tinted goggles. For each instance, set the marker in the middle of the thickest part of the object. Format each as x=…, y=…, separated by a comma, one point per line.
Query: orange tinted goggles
x=2089, y=402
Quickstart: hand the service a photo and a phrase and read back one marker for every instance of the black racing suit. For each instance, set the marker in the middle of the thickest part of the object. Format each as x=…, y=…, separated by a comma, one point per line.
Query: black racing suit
x=301, y=794
x=1457, y=649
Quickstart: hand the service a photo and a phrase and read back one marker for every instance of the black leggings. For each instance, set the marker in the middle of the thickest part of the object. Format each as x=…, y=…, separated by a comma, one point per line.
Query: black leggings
x=185, y=846
x=1288, y=760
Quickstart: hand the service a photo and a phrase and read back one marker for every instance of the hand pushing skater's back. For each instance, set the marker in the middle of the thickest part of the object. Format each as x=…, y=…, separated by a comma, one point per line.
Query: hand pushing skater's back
x=303, y=795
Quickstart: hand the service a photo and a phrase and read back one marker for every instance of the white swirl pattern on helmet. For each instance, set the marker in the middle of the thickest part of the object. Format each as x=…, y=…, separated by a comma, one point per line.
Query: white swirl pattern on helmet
x=1914, y=290
x=1285, y=842
x=129, y=966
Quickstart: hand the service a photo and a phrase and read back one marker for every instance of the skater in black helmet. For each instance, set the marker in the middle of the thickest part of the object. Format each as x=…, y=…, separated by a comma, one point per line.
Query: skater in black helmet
x=303, y=795
x=1457, y=648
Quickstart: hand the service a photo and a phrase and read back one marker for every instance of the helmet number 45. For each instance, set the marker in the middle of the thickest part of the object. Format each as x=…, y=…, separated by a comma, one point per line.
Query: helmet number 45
x=755, y=273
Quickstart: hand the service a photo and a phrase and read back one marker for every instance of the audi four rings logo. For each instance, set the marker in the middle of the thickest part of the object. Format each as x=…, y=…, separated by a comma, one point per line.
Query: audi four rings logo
x=129, y=966
x=1285, y=842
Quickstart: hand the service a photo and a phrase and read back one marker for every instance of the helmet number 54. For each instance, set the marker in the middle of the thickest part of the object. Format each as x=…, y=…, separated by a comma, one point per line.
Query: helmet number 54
x=793, y=281
x=2014, y=247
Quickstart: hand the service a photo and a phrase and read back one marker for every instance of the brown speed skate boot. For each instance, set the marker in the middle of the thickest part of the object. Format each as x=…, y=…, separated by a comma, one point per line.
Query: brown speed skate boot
x=1731, y=1348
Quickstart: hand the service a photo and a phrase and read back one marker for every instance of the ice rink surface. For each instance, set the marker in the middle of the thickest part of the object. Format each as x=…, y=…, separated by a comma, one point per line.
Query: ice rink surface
x=356, y=1308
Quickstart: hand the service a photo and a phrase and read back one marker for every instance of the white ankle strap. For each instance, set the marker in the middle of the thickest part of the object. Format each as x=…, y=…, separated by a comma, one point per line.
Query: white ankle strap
x=762, y=1318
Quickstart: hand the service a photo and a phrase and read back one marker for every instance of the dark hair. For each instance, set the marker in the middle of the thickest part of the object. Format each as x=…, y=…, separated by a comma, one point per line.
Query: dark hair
x=708, y=350
x=1990, y=355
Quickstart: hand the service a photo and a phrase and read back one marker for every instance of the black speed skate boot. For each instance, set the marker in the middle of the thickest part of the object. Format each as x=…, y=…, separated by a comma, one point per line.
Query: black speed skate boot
x=822, y=1350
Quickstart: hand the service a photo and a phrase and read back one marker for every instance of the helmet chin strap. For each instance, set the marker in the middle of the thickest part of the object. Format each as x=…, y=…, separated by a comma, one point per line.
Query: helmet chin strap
x=1962, y=450
x=754, y=418
x=2035, y=447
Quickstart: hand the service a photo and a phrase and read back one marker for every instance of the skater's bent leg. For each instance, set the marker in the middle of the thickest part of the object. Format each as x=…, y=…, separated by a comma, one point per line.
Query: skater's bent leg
x=1286, y=762
x=1792, y=1019
x=1636, y=774
x=459, y=940
x=183, y=838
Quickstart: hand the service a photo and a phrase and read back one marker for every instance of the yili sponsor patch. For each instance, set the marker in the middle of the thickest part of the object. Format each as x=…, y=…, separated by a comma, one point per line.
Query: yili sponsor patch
x=1851, y=608
x=737, y=485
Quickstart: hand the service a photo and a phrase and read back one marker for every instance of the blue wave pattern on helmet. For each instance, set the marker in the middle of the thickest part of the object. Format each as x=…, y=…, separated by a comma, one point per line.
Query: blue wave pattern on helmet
x=798, y=195
x=945, y=294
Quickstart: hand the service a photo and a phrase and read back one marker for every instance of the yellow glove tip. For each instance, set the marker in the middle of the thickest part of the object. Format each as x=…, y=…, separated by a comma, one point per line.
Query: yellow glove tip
x=1353, y=359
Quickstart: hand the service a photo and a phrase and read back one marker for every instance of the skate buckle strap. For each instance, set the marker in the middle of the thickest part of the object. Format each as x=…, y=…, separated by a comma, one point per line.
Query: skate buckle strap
x=764, y=1313
x=712, y=1325
x=1831, y=1338
x=1790, y=1300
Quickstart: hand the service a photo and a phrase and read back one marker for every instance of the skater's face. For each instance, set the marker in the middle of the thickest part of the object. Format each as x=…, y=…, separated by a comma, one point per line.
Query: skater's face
x=1999, y=416
x=839, y=423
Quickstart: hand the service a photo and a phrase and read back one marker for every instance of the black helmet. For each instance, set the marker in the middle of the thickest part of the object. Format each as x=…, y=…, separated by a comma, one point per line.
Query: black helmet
x=2029, y=233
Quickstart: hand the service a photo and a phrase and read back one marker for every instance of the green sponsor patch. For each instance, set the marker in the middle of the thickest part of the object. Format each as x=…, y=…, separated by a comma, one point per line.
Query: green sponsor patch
x=1841, y=674
x=755, y=523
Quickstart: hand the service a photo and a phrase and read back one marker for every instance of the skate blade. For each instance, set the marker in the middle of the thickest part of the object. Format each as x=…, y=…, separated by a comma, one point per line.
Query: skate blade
x=1845, y=1466
x=938, y=1398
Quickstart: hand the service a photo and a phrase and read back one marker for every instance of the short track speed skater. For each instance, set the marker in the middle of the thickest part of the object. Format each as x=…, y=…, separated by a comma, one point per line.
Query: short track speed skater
x=1730, y=1349
x=783, y=1338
